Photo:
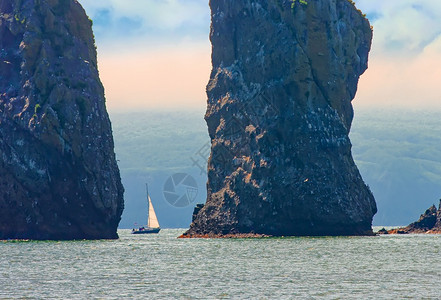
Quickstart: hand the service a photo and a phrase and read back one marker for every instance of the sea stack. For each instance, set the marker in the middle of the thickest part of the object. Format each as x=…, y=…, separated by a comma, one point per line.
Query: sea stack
x=58, y=173
x=279, y=115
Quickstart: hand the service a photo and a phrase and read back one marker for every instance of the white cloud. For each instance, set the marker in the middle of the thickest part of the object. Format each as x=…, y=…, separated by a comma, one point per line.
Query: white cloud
x=154, y=16
x=405, y=61
x=403, y=27
x=152, y=53
x=404, y=64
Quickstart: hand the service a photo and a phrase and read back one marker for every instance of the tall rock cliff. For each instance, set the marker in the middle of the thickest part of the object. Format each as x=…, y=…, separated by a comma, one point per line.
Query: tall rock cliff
x=58, y=173
x=279, y=114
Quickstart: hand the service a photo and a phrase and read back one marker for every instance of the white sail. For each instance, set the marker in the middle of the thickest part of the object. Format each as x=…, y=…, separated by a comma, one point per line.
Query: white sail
x=153, y=220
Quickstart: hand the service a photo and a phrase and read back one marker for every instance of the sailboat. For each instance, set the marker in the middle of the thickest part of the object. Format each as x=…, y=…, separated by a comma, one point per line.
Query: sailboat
x=152, y=223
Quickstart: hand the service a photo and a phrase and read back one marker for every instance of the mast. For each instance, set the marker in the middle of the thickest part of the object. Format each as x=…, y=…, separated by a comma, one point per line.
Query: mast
x=152, y=219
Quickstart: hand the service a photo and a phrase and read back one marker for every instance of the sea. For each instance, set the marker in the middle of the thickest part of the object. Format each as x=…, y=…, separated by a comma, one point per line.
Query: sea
x=161, y=266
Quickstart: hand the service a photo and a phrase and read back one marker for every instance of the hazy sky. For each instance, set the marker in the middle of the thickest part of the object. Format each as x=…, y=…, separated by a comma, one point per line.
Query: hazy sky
x=156, y=53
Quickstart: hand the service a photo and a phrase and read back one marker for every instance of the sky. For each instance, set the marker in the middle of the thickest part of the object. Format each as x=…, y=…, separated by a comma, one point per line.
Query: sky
x=156, y=53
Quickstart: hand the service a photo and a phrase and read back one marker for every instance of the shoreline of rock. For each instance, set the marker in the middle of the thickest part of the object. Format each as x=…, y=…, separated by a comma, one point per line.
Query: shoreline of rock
x=401, y=231
x=225, y=236
x=260, y=235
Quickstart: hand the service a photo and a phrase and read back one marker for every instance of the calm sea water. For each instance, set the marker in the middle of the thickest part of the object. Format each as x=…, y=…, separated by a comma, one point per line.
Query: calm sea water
x=164, y=267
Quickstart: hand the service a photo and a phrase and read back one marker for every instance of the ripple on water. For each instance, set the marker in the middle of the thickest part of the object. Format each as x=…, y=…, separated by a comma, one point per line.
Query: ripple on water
x=162, y=267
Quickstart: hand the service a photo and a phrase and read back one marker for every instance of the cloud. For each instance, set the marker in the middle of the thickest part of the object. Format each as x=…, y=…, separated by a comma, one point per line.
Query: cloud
x=403, y=27
x=142, y=64
x=152, y=53
x=148, y=21
x=405, y=60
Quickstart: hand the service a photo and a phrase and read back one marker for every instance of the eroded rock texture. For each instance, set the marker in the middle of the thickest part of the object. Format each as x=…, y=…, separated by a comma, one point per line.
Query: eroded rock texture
x=279, y=114
x=58, y=174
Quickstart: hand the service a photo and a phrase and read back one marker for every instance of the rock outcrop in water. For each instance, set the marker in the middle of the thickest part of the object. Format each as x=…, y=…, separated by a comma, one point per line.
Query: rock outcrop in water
x=429, y=222
x=58, y=173
x=279, y=114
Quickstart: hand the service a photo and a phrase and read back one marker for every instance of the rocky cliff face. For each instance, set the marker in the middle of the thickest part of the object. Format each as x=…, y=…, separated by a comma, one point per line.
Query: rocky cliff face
x=279, y=114
x=58, y=174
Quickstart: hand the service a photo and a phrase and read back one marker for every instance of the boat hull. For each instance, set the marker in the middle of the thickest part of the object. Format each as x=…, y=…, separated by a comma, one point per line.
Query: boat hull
x=146, y=230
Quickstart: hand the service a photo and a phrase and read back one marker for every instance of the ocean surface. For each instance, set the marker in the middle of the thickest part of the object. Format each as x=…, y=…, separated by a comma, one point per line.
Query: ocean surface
x=164, y=267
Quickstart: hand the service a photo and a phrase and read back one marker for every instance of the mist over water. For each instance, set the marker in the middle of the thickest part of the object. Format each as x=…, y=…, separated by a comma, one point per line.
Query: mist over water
x=164, y=267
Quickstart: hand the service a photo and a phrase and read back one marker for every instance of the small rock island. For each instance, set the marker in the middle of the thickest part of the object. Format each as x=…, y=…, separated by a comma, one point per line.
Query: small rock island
x=279, y=115
x=59, y=178
x=428, y=223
